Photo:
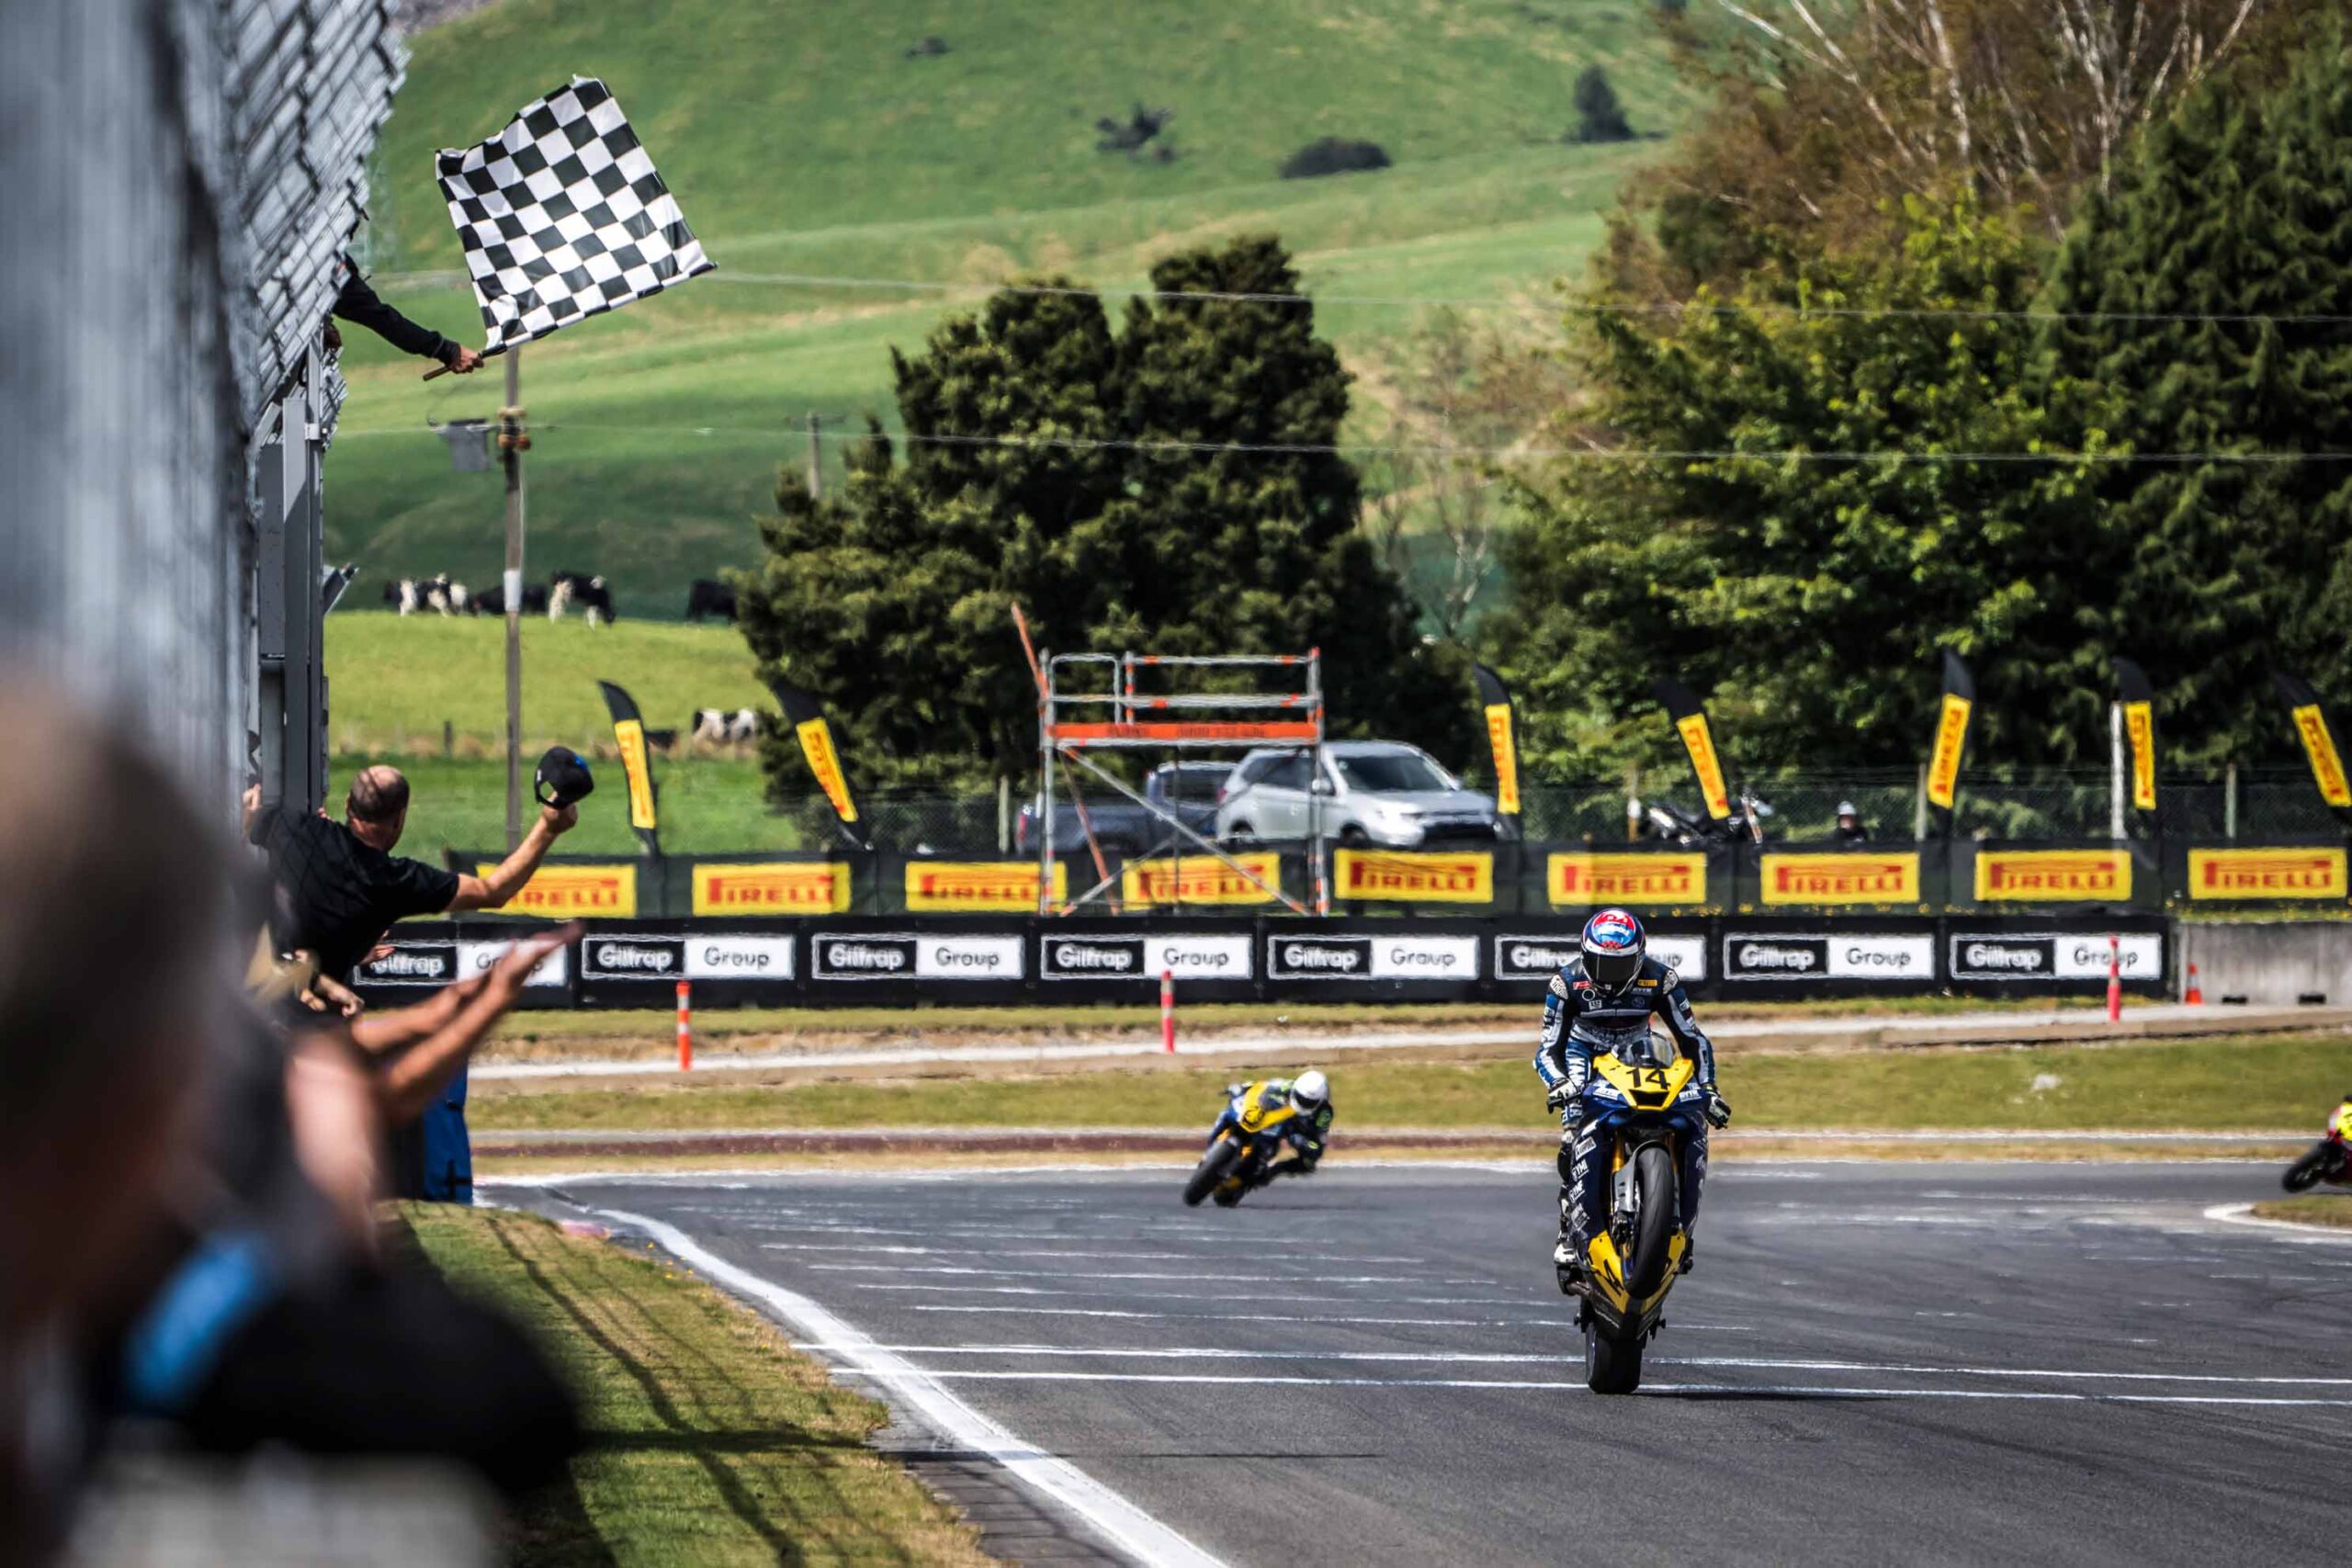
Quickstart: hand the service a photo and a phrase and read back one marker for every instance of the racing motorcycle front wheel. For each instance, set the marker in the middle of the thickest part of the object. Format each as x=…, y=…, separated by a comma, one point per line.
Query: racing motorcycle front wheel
x=2312, y=1169
x=1210, y=1174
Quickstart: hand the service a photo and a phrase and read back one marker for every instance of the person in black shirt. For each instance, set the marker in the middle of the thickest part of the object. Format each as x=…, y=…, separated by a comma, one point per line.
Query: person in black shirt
x=1850, y=829
x=339, y=888
x=357, y=303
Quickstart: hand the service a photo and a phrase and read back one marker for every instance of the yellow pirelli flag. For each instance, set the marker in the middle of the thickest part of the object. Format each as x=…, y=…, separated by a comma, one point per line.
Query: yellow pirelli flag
x=637, y=765
x=1502, y=737
x=1690, y=717
x=2322, y=746
x=2137, y=696
x=1950, y=746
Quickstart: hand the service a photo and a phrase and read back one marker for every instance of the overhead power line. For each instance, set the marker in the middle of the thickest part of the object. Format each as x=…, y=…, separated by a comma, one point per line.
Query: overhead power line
x=1569, y=453
x=1961, y=312
x=1660, y=308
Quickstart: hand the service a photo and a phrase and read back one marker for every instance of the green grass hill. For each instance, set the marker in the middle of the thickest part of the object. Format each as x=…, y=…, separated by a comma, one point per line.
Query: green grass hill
x=803, y=137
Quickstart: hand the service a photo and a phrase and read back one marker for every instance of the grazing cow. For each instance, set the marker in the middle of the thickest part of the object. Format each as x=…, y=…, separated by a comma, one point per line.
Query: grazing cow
x=447, y=597
x=744, y=725
x=492, y=601
x=403, y=592
x=566, y=589
x=705, y=597
x=710, y=723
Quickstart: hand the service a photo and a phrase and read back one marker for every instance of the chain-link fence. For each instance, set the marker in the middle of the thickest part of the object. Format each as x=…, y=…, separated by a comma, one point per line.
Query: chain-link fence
x=2265, y=804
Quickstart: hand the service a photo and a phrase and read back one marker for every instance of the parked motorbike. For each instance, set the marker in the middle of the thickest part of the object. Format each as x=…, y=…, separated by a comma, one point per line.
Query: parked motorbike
x=1669, y=822
x=1644, y=1101
x=2328, y=1160
x=1247, y=1138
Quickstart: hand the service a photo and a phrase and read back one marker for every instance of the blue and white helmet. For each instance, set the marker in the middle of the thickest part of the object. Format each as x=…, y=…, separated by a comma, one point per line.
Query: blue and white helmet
x=1614, y=947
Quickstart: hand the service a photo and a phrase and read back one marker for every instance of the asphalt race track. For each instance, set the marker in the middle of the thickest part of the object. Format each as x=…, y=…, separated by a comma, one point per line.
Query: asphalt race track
x=1898, y=1363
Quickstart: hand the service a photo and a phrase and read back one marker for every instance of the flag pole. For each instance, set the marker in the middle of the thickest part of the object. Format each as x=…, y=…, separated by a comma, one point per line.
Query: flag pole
x=512, y=443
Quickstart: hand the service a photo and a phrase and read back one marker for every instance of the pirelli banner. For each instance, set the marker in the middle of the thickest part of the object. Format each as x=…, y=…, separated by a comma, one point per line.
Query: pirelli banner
x=2266, y=874
x=1830, y=879
x=1413, y=877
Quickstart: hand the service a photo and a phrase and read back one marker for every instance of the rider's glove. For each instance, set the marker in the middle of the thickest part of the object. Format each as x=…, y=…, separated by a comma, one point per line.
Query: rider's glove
x=1718, y=1110
x=1561, y=1097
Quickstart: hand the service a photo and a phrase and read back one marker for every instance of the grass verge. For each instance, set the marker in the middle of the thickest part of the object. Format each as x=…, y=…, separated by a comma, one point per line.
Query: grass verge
x=2310, y=1209
x=2231, y=1084
x=710, y=1440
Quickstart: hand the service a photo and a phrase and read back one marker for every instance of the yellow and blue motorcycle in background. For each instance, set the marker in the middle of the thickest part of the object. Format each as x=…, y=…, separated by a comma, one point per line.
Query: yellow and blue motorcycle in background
x=1642, y=1106
x=1249, y=1134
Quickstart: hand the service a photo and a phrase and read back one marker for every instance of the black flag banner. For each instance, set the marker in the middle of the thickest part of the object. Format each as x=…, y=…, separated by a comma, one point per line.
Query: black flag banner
x=628, y=734
x=2321, y=734
x=562, y=216
x=815, y=734
x=1502, y=734
x=2139, y=699
x=1690, y=717
x=1953, y=715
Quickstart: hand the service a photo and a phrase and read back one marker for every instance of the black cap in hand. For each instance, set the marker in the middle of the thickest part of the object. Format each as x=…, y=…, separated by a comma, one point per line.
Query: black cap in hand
x=562, y=777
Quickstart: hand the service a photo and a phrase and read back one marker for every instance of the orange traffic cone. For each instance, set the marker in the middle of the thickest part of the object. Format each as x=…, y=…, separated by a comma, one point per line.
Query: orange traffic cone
x=2195, y=997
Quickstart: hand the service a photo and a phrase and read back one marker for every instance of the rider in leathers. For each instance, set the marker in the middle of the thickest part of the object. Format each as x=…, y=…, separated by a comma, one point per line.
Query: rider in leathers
x=1582, y=1017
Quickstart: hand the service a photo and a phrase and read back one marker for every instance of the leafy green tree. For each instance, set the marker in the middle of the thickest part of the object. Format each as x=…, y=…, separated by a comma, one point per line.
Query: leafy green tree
x=2234, y=217
x=1172, y=489
x=1738, y=523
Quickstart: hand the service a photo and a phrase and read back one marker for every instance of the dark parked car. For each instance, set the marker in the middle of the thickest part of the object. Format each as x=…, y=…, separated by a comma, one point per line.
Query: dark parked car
x=1188, y=790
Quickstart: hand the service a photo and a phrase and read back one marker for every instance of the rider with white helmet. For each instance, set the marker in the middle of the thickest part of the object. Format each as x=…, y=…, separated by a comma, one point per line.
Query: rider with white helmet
x=1309, y=1097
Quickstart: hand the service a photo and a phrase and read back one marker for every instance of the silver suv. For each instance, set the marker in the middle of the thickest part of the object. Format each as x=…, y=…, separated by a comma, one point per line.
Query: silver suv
x=1374, y=792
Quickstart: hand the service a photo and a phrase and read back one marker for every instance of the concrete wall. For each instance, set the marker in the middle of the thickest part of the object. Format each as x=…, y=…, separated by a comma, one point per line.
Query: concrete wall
x=2270, y=961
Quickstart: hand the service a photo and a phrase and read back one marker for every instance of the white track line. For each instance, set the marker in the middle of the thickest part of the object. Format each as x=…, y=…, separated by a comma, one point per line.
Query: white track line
x=1485, y=1358
x=1133, y=1531
x=1252, y=1379
x=2242, y=1214
x=1231, y=1317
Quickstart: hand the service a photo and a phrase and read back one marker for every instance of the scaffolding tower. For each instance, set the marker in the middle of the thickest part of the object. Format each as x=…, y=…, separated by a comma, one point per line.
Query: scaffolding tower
x=1120, y=716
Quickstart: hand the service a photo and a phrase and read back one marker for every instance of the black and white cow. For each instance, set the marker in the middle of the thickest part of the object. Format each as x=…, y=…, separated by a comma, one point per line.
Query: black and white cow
x=705, y=597
x=716, y=727
x=448, y=598
x=492, y=601
x=566, y=589
x=404, y=593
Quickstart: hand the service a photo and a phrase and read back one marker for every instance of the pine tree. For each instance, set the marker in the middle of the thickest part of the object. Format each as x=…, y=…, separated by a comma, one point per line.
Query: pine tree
x=1810, y=598
x=1146, y=491
x=1599, y=117
x=2239, y=206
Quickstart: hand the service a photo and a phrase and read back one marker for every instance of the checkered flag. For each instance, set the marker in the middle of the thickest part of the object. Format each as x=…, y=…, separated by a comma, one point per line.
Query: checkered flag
x=562, y=215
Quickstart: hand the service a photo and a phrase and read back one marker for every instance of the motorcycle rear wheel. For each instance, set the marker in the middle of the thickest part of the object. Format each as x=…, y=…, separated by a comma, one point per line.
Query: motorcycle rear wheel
x=1611, y=1366
x=1210, y=1174
x=1654, y=1178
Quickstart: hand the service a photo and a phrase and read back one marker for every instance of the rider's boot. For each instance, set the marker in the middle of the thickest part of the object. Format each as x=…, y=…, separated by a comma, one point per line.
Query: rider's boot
x=1568, y=1257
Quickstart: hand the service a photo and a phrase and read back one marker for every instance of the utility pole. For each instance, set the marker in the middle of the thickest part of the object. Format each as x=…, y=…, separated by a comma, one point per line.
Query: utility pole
x=816, y=461
x=514, y=440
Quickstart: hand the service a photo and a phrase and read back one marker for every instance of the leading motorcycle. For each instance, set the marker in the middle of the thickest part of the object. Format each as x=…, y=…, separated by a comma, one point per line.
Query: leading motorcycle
x=2329, y=1159
x=1643, y=1101
x=1247, y=1138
